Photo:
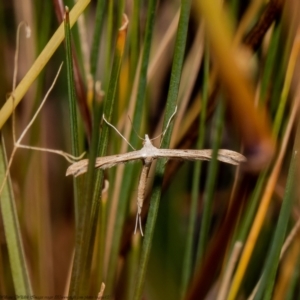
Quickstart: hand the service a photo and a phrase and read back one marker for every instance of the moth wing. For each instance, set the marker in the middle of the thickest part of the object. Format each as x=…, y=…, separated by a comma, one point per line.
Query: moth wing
x=77, y=168
x=227, y=156
x=104, y=162
x=110, y=161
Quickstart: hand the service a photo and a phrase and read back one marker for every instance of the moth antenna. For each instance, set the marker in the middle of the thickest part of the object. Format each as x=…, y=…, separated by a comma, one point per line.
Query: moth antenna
x=168, y=124
x=135, y=130
x=122, y=136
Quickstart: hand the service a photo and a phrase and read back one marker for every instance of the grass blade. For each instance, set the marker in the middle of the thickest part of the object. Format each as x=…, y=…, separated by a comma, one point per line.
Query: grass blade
x=73, y=113
x=170, y=108
x=129, y=169
x=266, y=286
x=187, y=265
x=97, y=35
x=262, y=210
x=88, y=219
x=17, y=259
x=210, y=183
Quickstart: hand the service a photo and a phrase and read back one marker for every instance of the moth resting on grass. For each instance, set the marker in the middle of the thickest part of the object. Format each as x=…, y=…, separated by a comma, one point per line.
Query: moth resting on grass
x=147, y=155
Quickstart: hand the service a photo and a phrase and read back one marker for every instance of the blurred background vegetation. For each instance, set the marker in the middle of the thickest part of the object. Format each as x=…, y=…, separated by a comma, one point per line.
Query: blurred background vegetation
x=219, y=231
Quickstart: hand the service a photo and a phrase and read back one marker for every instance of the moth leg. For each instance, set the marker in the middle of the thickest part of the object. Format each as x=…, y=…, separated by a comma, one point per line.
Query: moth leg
x=138, y=221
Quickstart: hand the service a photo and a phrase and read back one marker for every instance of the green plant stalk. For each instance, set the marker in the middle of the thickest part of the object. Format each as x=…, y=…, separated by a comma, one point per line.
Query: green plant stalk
x=170, y=107
x=103, y=142
x=294, y=282
x=16, y=253
x=281, y=65
x=76, y=39
x=120, y=11
x=109, y=39
x=286, y=86
x=100, y=10
x=270, y=62
x=282, y=62
x=134, y=43
x=83, y=231
x=266, y=286
x=210, y=184
x=250, y=210
x=73, y=113
x=102, y=221
x=188, y=256
x=129, y=168
x=45, y=25
x=133, y=263
x=88, y=221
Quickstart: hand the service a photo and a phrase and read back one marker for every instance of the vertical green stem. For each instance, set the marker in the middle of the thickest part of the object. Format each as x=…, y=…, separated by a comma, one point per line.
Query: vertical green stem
x=266, y=286
x=170, y=107
x=188, y=257
x=126, y=184
x=97, y=35
x=12, y=231
x=210, y=184
x=72, y=108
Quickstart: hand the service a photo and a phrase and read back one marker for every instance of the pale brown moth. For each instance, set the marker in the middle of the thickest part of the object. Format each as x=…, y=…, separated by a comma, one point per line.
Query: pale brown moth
x=147, y=155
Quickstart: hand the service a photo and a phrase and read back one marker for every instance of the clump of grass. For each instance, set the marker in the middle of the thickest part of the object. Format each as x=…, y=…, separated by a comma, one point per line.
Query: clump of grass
x=210, y=229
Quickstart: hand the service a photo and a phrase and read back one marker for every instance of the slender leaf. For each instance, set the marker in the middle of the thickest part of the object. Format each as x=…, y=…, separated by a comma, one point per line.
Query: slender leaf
x=266, y=286
x=88, y=220
x=16, y=253
x=73, y=113
x=125, y=189
x=100, y=10
x=210, y=184
x=160, y=167
x=188, y=258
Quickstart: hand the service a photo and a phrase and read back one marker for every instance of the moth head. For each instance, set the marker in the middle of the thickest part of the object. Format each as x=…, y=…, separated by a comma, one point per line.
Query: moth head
x=147, y=141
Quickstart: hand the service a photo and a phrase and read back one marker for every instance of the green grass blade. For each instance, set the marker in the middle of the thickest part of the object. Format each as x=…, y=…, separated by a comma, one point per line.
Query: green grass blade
x=109, y=38
x=266, y=286
x=84, y=229
x=134, y=40
x=251, y=207
x=97, y=36
x=170, y=107
x=120, y=11
x=270, y=62
x=17, y=259
x=286, y=87
x=210, y=184
x=108, y=110
x=290, y=295
x=129, y=168
x=188, y=257
x=73, y=113
x=88, y=220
